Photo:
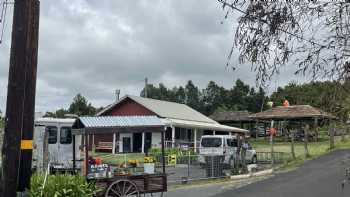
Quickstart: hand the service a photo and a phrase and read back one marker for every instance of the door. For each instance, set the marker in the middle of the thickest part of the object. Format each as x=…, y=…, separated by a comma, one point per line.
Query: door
x=137, y=142
x=65, y=146
x=53, y=143
x=126, y=144
x=148, y=141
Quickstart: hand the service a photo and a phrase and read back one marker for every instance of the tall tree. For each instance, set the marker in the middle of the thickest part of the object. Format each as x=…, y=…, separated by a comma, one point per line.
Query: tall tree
x=213, y=97
x=180, y=95
x=80, y=106
x=313, y=35
x=193, y=96
x=238, y=95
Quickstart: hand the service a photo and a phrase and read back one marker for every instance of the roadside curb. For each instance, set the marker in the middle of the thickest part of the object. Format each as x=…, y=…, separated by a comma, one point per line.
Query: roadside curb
x=256, y=174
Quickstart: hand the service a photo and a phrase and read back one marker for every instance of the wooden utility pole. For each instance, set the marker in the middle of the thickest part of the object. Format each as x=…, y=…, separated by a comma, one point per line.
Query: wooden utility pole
x=306, y=140
x=19, y=121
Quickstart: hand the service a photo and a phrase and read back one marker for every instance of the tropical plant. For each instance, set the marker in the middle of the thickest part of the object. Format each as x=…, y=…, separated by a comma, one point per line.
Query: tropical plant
x=61, y=186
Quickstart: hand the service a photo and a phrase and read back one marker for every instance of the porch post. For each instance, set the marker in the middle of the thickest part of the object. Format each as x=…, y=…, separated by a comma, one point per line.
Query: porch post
x=214, y=132
x=113, y=147
x=143, y=142
x=173, y=136
x=195, y=140
x=93, y=143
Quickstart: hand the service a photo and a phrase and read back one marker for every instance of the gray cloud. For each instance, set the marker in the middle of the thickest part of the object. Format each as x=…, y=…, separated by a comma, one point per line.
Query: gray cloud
x=95, y=46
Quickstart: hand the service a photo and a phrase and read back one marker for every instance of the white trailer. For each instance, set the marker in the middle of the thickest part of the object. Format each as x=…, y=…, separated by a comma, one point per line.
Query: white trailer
x=58, y=133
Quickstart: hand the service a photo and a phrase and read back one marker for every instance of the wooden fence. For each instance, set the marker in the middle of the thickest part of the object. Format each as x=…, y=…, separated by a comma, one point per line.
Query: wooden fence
x=266, y=157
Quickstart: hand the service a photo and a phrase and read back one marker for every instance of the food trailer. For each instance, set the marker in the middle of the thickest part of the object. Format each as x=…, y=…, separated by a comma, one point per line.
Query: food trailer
x=116, y=184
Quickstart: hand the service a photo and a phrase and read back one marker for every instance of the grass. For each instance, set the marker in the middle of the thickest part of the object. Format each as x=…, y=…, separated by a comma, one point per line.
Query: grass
x=316, y=149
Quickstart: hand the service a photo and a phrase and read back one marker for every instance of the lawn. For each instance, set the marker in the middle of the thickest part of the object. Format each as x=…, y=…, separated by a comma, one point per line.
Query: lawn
x=316, y=149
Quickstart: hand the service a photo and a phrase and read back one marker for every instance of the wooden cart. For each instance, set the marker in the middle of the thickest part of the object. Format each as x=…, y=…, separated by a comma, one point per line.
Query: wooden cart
x=128, y=184
x=133, y=185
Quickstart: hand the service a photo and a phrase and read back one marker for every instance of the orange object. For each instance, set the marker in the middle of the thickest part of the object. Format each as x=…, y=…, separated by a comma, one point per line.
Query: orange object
x=273, y=131
x=286, y=103
x=98, y=161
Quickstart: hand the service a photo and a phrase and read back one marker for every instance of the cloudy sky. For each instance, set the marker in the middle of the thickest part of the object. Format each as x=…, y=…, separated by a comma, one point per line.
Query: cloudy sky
x=96, y=46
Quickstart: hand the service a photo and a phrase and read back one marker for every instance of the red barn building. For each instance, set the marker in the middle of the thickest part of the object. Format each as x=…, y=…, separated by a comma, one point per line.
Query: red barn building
x=184, y=125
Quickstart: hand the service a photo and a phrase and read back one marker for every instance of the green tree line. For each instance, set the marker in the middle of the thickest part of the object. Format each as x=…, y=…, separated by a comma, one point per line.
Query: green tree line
x=330, y=96
x=239, y=97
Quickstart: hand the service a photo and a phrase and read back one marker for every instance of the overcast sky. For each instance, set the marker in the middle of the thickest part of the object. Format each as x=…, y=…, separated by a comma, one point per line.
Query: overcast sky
x=96, y=46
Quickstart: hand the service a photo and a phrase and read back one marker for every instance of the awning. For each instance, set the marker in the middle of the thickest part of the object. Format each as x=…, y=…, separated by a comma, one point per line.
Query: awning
x=201, y=125
x=115, y=124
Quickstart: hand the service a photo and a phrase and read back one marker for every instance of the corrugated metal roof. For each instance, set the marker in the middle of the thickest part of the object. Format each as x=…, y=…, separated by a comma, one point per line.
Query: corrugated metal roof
x=120, y=121
x=166, y=109
x=201, y=125
x=55, y=120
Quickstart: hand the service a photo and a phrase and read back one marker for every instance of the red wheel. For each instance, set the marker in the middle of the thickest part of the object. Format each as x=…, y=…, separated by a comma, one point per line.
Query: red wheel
x=122, y=188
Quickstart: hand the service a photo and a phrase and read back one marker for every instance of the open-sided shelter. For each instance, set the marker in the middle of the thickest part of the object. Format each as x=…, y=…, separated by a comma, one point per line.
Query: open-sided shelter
x=293, y=112
x=240, y=119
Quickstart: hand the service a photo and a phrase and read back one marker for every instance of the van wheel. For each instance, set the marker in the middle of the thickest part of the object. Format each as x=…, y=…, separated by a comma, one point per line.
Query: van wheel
x=254, y=159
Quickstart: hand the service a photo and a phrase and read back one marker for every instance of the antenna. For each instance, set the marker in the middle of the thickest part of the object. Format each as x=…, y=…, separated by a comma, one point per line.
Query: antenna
x=146, y=87
x=117, y=94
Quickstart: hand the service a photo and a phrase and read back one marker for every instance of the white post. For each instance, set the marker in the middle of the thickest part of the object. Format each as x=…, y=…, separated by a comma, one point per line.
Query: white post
x=113, y=147
x=173, y=136
x=143, y=142
x=93, y=144
x=214, y=132
x=195, y=140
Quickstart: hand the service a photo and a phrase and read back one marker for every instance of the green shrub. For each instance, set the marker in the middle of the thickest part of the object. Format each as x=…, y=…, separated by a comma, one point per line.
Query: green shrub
x=61, y=186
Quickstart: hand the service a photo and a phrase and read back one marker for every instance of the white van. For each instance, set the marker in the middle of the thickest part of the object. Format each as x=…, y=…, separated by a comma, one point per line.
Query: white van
x=59, y=143
x=225, y=145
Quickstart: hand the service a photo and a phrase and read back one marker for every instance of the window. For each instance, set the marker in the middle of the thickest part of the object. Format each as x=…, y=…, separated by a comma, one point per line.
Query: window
x=52, y=134
x=65, y=135
x=232, y=142
x=211, y=142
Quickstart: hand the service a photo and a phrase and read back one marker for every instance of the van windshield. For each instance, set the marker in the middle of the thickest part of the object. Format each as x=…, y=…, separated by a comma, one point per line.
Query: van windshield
x=211, y=142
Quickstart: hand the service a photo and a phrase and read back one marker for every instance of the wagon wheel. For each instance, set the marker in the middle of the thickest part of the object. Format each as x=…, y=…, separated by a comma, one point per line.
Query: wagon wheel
x=122, y=188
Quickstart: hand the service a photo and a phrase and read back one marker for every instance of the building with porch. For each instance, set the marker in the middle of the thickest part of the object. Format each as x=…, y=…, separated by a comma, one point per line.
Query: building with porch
x=184, y=126
x=239, y=119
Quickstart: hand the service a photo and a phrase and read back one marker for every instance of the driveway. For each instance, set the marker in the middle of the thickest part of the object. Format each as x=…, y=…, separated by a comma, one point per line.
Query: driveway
x=322, y=177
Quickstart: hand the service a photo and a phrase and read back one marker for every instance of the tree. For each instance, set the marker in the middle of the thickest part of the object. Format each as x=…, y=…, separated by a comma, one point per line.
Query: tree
x=80, y=106
x=60, y=113
x=313, y=35
x=2, y=121
x=238, y=95
x=193, y=96
x=213, y=97
x=180, y=95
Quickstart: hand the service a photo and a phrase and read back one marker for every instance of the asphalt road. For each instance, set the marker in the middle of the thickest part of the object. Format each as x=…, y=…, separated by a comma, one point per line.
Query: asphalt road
x=322, y=177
